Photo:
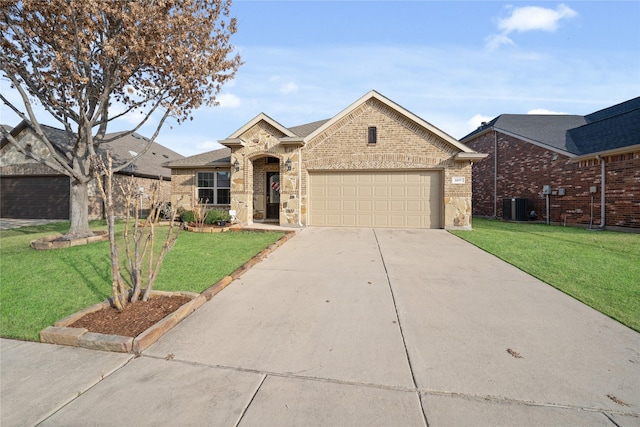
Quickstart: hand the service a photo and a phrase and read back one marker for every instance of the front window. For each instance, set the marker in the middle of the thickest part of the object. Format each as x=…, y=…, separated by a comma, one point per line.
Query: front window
x=213, y=188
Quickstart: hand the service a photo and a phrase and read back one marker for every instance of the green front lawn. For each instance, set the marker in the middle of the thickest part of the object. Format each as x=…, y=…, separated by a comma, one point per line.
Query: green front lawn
x=599, y=268
x=38, y=288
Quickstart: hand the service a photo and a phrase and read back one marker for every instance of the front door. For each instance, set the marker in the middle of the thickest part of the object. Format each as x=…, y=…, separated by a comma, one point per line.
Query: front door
x=273, y=195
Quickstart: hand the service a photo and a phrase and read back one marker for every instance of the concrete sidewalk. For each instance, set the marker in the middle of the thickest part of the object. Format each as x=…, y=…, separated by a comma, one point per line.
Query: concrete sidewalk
x=352, y=327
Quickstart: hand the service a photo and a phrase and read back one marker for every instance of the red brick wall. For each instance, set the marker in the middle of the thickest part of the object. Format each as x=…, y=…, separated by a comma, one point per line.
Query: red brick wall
x=524, y=168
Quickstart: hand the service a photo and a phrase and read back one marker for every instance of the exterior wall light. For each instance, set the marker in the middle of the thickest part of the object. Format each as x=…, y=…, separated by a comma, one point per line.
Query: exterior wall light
x=236, y=165
x=288, y=163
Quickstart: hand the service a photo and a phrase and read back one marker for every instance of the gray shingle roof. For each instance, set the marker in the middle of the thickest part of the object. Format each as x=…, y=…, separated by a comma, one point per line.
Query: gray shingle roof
x=613, y=127
x=220, y=157
x=307, y=129
x=150, y=164
x=617, y=131
x=615, y=110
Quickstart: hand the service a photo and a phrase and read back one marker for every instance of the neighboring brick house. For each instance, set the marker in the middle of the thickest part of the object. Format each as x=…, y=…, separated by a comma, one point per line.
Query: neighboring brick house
x=576, y=156
x=373, y=164
x=30, y=189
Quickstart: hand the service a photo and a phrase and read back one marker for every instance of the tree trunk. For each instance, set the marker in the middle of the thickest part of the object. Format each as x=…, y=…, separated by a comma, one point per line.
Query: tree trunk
x=79, y=210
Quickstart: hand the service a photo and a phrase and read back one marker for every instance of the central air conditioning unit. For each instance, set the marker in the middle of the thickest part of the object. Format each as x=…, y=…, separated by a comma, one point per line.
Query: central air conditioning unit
x=514, y=209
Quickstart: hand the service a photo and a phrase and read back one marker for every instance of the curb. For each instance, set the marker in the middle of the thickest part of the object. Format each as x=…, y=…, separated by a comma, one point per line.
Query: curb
x=61, y=334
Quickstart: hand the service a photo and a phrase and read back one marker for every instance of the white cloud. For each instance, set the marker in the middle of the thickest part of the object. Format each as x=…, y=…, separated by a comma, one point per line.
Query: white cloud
x=494, y=41
x=288, y=88
x=531, y=18
x=208, y=145
x=528, y=18
x=477, y=120
x=228, y=100
x=543, y=111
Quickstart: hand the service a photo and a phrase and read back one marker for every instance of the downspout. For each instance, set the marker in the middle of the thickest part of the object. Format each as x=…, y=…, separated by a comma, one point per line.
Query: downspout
x=300, y=187
x=495, y=174
x=603, y=184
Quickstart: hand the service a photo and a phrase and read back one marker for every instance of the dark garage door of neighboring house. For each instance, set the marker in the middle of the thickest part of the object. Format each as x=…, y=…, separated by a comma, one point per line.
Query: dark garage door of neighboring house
x=34, y=197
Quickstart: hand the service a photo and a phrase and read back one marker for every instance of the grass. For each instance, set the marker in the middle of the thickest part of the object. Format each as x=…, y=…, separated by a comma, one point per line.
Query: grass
x=38, y=288
x=599, y=268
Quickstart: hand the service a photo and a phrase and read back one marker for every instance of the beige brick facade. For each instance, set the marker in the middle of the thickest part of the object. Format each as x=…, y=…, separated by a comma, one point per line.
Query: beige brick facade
x=404, y=142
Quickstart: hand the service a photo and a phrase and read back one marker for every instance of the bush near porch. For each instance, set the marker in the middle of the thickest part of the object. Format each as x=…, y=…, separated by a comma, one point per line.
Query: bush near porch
x=599, y=268
x=41, y=287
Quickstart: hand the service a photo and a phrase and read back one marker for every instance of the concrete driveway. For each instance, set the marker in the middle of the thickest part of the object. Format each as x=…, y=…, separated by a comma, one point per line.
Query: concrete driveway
x=378, y=327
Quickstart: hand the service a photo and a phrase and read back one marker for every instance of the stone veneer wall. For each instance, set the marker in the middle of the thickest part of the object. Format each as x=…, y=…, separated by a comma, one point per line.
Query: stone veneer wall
x=262, y=141
x=524, y=168
x=402, y=144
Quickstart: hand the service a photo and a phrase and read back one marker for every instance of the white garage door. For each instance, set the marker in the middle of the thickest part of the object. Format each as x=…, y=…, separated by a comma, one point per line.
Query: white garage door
x=408, y=199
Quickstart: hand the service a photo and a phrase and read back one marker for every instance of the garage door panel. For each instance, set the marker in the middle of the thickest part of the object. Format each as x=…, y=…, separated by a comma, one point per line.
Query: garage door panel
x=414, y=206
x=349, y=205
x=333, y=205
x=381, y=206
x=416, y=192
x=34, y=197
x=333, y=192
x=397, y=192
x=349, y=191
x=380, y=199
x=365, y=205
x=349, y=220
x=397, y=206
x=365, y=192
x=381, y=220
x=380, y=191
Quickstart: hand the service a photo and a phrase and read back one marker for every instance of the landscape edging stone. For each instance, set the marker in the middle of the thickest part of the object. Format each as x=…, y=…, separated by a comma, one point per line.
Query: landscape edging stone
x=61, y=334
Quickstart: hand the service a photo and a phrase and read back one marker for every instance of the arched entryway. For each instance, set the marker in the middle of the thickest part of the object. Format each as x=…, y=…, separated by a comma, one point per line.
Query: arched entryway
x=266, y=189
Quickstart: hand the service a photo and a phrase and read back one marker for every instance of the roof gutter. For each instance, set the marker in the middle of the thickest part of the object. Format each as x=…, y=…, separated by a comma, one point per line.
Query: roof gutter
x=613, y=152
x=231, y=142
x=472, y=157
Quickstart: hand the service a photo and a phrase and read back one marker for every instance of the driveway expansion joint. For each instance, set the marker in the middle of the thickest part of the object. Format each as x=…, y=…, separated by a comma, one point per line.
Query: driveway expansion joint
x=404, y=342
x=253, y=396
x=419, y=391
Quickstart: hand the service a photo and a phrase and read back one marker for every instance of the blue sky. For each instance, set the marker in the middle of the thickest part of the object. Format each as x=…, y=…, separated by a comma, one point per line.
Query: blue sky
x=453, y=63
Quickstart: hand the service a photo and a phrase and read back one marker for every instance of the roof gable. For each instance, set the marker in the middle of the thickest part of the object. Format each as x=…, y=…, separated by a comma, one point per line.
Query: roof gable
x=612, y=128
x=409, y=115
x=548, y=130
x=122, y=149
x=257, y=119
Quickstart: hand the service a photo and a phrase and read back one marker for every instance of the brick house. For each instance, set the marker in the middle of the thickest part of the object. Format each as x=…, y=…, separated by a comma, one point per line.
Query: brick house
x=33, y=190
x=373, y=164
x=591, y=165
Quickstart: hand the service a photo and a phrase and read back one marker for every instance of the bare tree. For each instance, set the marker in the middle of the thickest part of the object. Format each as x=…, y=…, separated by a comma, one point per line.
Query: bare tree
x=139, y=235
x=90, y=62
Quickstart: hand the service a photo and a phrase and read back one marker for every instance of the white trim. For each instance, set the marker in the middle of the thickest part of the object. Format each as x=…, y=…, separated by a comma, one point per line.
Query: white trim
x=536, y=143
x=257, y=119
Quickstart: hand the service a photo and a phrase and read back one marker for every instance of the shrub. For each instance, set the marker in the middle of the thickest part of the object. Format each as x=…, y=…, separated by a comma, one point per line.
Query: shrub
x=188, y=216
x=215, y=215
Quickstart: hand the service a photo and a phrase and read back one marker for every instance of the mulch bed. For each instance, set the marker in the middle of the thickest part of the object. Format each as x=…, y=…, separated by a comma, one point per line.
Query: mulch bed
x=134, y=319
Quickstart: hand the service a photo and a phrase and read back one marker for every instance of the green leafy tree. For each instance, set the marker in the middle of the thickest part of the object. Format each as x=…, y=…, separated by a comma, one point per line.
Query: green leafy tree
x=90, y=62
